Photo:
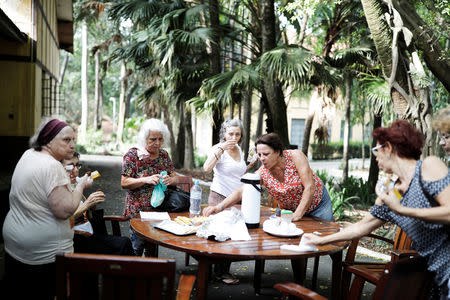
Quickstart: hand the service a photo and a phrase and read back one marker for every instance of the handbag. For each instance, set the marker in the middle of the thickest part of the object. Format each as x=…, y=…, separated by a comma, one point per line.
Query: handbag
x=175, y=200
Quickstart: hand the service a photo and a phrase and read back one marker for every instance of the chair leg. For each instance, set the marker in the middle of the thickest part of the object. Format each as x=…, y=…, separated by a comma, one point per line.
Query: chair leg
x=151, y=250
x=345, y=284
x=356, y=288
x=315, y=271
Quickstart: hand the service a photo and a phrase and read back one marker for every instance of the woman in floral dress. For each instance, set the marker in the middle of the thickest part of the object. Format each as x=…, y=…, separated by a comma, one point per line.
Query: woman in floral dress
x=289, y=180
x=141, y=170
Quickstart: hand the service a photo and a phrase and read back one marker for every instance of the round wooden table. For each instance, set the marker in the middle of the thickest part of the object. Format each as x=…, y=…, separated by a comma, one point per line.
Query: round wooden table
x=261, y=246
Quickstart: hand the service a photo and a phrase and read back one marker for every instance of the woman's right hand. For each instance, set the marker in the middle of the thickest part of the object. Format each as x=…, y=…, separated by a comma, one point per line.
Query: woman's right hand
x=210, y=210
x=228, y=145
x=311, y=239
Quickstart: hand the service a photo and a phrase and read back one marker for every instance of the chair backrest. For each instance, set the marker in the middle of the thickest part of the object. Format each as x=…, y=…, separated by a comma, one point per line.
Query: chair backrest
x=185, y=183
x=114, y=277
x=402, y=241
x=405, y=279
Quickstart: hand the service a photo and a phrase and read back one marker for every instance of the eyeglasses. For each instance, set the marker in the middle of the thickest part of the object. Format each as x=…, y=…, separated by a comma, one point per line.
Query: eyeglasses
x=78, y=166
x=443, y=137
x=376, y=148
x=69, y=168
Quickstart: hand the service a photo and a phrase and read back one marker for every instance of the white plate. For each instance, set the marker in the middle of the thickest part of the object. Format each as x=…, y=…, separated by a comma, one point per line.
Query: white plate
x=175, y=228
x=296, y=232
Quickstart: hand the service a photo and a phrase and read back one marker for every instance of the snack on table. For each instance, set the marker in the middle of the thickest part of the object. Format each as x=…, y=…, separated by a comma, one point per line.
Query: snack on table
x=190, y=221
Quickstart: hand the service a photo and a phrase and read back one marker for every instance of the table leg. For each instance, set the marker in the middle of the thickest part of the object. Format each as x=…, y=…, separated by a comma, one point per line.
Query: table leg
x=202, y=278
x=151, y=250
x=299, y=269
x=336, y=275
x=259, y=266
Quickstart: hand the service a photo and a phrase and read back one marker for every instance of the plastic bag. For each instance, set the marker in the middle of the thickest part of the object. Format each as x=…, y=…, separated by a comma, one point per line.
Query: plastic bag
x=158, y=192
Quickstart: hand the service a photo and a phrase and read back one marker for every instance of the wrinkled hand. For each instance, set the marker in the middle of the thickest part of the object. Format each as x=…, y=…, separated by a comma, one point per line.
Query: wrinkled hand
x=168, y=180
x=95, y=198
x=391, y=200
x=210, y=210
x=153, y=180
x=296, y=217
x=311, y=239
x=85, y=181
x=228, y=145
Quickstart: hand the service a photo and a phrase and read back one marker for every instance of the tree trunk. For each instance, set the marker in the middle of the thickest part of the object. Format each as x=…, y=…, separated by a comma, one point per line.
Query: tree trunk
x=246, y=119
x=259, y=125
x=84, y=88
x=100, y=103
x=373, y=168
x=348, y=98
x=168, y=121
x=303, y=29
x=436, y=58
x=97, y=89
x=123, y=92
x=275, y=99
x=178, y=155
x=189, y=149
x=215, y=64
x=128, y=99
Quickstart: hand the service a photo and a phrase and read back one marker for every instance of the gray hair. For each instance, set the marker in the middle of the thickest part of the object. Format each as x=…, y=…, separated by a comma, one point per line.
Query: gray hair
x=152, y=125
x=231, y=123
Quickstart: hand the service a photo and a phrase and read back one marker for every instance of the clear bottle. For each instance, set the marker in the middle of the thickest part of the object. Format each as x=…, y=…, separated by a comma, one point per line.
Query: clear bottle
x=195, y=199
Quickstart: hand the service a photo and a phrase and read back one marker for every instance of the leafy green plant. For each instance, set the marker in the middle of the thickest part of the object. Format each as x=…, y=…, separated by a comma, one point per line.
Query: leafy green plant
x=339, y=201
x=199, y=160
x=355, y=186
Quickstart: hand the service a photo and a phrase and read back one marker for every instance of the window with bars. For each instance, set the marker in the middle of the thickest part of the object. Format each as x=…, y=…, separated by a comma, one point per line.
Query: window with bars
x=52, y=97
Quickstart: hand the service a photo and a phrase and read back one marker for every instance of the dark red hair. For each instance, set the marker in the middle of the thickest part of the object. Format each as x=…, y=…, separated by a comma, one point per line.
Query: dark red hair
x=406, y=140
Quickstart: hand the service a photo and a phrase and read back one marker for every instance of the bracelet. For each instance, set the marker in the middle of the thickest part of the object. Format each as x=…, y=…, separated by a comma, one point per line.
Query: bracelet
x=221, y=148
x=216, y=156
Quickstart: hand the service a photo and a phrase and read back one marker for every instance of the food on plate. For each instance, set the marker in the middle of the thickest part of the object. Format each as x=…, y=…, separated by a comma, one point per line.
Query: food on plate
x=190, y=221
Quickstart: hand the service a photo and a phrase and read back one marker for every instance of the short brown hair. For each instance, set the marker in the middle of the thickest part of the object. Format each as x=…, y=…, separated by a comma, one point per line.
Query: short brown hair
x=272, y=140
x=406, y=140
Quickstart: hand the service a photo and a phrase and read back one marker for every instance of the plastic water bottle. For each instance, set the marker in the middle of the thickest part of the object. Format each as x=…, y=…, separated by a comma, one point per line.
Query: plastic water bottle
x=195, y=199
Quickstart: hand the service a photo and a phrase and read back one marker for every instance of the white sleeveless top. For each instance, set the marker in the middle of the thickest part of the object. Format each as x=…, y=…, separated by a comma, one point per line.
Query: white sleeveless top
x=227, y=172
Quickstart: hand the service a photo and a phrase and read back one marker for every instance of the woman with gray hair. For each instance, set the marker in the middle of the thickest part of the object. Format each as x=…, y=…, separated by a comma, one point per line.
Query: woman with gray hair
x=141, y=170
x=39, y=224
x=227, y=160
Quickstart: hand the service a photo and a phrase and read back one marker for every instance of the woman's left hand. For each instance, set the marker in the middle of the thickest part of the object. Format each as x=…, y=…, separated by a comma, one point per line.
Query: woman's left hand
x=169, y=180
x=391, y=200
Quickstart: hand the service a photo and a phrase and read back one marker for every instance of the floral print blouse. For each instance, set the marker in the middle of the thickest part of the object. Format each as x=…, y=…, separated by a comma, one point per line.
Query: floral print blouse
x=136, y=166
x=289, y=193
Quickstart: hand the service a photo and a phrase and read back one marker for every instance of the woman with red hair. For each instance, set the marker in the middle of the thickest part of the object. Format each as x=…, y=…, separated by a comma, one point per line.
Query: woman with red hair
x=419, y=202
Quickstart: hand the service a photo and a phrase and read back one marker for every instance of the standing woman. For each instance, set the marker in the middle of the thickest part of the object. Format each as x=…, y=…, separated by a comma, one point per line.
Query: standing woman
x=227, y=160
x=141, y=170
x=37, y=225
x=289, y=180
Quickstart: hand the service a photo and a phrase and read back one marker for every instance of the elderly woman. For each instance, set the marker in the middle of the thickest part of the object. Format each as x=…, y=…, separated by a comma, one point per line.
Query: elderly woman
x=227, y=160
x=37, y=225
x=289, y=179
x=425, y=201
x=141, y=170
x=442, y=125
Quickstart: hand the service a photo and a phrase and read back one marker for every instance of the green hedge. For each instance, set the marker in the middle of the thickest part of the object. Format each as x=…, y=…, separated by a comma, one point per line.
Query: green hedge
x=335, y=150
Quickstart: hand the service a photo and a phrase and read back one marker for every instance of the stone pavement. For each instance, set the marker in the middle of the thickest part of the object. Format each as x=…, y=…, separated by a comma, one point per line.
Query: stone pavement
x=275, y=270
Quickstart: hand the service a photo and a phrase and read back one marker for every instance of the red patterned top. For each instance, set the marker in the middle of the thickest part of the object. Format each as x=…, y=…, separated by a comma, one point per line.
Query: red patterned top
x=135, y=167
x=289, y=193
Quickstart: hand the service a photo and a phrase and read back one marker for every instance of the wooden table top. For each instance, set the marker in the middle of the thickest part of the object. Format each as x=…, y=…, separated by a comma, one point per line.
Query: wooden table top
x=261, y=246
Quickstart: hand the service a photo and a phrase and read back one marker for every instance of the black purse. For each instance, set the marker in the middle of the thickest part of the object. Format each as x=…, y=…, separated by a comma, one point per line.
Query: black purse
x=175, y=200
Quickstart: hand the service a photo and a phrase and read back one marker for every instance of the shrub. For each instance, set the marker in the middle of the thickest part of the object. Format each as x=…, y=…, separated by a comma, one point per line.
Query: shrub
x=335, y=150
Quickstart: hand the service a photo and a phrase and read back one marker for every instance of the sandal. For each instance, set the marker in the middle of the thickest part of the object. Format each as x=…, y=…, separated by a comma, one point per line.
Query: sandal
x=229, y=279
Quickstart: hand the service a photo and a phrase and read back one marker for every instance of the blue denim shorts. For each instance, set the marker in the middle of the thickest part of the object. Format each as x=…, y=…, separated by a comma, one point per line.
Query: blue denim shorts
x=325, y=209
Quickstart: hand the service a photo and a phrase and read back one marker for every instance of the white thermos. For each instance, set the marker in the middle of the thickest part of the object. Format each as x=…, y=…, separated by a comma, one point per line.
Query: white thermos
x=251, y=199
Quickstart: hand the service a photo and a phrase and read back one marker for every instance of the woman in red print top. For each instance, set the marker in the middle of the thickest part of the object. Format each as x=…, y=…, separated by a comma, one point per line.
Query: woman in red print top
x=289, y=179
x=141, y=170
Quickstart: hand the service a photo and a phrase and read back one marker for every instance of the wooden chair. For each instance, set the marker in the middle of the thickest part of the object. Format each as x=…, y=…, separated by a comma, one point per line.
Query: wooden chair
x=404, y=279
x=371, y=271
x=118, y=277
x=184, y=183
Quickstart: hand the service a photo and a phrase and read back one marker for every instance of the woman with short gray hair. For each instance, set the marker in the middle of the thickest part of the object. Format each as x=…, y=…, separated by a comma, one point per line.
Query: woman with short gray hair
x=141, y=170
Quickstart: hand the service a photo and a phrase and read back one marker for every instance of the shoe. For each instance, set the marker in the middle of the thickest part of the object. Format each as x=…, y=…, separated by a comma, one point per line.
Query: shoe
x=229, y=279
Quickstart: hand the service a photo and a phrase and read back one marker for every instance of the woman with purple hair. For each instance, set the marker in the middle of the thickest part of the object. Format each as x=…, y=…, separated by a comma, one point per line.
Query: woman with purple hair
x=39, y=224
